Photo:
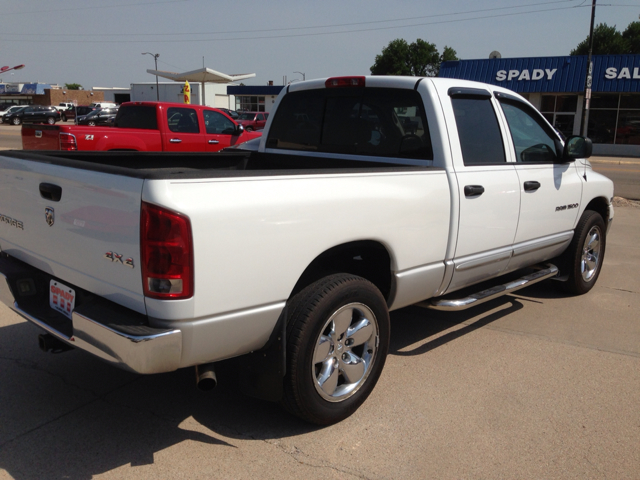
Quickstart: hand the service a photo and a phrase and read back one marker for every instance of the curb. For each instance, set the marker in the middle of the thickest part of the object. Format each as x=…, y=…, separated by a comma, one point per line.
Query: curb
x=611, y=161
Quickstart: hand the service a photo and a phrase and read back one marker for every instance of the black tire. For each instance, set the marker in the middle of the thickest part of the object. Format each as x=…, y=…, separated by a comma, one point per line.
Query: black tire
x=63, y=118
x=16, y=121
x=585, y=255
x=51, y=120
x=248, y=129
x=91, y=123
x=316, y=315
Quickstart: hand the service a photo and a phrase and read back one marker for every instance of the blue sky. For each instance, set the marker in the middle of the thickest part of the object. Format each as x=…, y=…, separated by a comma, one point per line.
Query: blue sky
x=99, y=43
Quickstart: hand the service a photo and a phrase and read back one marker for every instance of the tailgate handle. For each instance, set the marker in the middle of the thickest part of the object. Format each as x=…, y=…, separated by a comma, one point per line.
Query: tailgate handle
x=49, y=191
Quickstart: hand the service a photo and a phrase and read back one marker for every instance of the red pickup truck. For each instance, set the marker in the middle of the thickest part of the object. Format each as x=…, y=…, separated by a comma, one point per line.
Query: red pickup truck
x=145, y=126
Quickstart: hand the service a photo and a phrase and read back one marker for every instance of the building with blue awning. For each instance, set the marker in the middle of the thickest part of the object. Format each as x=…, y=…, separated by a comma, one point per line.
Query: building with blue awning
x=556, y=86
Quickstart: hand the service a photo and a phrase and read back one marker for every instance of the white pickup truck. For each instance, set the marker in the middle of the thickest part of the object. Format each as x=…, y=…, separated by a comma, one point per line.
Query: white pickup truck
x=364, y=195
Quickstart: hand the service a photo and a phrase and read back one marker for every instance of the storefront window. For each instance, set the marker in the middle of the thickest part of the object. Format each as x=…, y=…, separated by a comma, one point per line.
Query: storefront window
x=250, y=104
x=628, y=130
x=602, y=124
x=604, y=100
x=560, y=111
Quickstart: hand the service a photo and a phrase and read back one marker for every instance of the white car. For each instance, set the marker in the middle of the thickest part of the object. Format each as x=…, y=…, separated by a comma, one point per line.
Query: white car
x=9, y=110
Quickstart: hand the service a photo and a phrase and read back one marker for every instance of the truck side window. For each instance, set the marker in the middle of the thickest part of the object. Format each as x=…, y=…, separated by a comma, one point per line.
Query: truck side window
x=135, y=116
x=478, y=130
x=382, y=122
x=216, y=123
x=182, y=120
x=533, y=143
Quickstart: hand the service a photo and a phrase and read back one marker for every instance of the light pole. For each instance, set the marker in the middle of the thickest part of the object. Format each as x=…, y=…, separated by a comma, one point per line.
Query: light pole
x=155, y=57
x=303, y=76
x=7, y=69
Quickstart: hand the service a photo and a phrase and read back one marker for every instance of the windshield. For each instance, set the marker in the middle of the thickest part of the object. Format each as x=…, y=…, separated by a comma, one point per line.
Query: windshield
x=247, y=116
x=93, y=114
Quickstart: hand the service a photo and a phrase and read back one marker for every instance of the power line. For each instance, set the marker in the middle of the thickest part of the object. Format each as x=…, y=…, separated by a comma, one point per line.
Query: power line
x=5, y=14
x=309, y=26
x=48, y=40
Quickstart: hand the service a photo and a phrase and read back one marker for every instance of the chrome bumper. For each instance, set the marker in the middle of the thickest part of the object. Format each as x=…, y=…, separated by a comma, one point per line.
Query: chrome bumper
x=151, y=351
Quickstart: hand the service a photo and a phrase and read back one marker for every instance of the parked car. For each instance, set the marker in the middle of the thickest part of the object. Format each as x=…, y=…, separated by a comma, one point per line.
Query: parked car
x=232, y=113
x=33, y=114
x=62, y=106
x=104, y=104
x=101, y=116
x=9, y=110
x=252, y=120
x=78, y=111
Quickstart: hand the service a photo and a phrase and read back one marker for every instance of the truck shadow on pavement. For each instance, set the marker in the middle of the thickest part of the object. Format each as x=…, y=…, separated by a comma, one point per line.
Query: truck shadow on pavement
x=73, y=416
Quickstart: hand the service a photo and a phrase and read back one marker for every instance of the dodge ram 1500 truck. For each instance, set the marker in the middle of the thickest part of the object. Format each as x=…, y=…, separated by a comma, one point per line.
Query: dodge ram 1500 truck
x=146, y=127
x=364, y=195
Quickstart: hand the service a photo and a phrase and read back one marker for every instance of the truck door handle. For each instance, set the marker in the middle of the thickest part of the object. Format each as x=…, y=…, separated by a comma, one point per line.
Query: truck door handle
x=49, y=191
x=473, y=190
x=531, y=186
x=175, y=140
x=214, y=141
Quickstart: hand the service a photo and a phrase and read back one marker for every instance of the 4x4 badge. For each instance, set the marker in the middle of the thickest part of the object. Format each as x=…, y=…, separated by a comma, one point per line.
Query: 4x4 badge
x=49, y=216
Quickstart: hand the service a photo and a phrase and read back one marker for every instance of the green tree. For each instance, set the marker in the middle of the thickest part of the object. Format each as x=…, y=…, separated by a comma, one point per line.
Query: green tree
x=609, y=41
x=72, y=86
x=631, y=37
x=419, y=58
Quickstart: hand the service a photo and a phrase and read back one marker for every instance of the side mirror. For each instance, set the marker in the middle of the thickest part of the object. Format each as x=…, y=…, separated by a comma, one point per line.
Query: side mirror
x=239, y=129
x=577, y=147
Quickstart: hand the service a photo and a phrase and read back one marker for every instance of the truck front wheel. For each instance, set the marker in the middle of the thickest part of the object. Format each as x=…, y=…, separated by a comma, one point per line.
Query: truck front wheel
x=337, y=344
x=583, y=259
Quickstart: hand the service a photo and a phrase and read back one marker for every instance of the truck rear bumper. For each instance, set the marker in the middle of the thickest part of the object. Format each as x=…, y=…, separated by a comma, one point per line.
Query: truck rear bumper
x=98, y=329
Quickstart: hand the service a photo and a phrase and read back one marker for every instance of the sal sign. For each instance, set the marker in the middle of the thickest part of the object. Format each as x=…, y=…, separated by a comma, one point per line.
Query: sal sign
x=612, y=73
x=535, y=74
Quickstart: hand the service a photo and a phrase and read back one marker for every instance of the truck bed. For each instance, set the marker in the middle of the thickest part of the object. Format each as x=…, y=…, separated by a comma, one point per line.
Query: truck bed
x=159, y=165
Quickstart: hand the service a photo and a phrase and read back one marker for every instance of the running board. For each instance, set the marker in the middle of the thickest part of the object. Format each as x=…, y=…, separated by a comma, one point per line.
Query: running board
x=452, y=305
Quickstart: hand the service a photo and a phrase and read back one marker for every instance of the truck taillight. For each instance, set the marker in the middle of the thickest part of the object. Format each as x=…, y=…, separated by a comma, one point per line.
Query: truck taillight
x=337, y=82
x=167, y=253
x=68, y=142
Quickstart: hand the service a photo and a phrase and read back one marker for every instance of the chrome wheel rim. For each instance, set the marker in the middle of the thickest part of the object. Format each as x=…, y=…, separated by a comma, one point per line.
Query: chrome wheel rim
x=345, y=352
x=591, y=251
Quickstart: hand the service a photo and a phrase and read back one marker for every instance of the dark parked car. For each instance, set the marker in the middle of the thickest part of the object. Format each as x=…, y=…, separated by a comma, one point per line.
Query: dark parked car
x=232, y=113
x=33, y=114
x=79, y=111
x=104, y=116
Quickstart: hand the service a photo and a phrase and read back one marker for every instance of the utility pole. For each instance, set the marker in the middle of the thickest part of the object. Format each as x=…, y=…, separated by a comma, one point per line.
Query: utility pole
x=589, y=79
x=155, y=57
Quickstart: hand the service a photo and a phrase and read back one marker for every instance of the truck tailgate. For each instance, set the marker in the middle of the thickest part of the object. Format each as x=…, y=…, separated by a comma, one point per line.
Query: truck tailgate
x=77, y=225
x=40, y=137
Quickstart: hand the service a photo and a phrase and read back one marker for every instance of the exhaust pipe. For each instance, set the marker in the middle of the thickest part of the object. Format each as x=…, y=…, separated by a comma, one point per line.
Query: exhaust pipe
x=206, y=377
x=48, y=342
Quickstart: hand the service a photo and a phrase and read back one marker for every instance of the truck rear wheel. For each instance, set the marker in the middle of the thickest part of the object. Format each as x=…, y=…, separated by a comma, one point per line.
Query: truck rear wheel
x=337, y=344
x=583, y=259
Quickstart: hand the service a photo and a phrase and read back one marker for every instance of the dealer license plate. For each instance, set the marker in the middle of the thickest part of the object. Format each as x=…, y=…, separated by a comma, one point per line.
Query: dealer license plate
x=62, y=298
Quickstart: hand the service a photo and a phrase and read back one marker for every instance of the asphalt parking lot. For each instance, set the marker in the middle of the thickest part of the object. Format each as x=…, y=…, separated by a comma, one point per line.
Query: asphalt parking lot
x=532, y=385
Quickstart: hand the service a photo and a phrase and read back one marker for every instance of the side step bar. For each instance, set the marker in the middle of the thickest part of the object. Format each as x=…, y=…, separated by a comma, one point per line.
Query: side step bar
x=490, y=293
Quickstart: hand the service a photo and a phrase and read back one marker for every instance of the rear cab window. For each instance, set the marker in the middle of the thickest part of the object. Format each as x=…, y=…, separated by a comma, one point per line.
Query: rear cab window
x=137, y=116
x=383, y=122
